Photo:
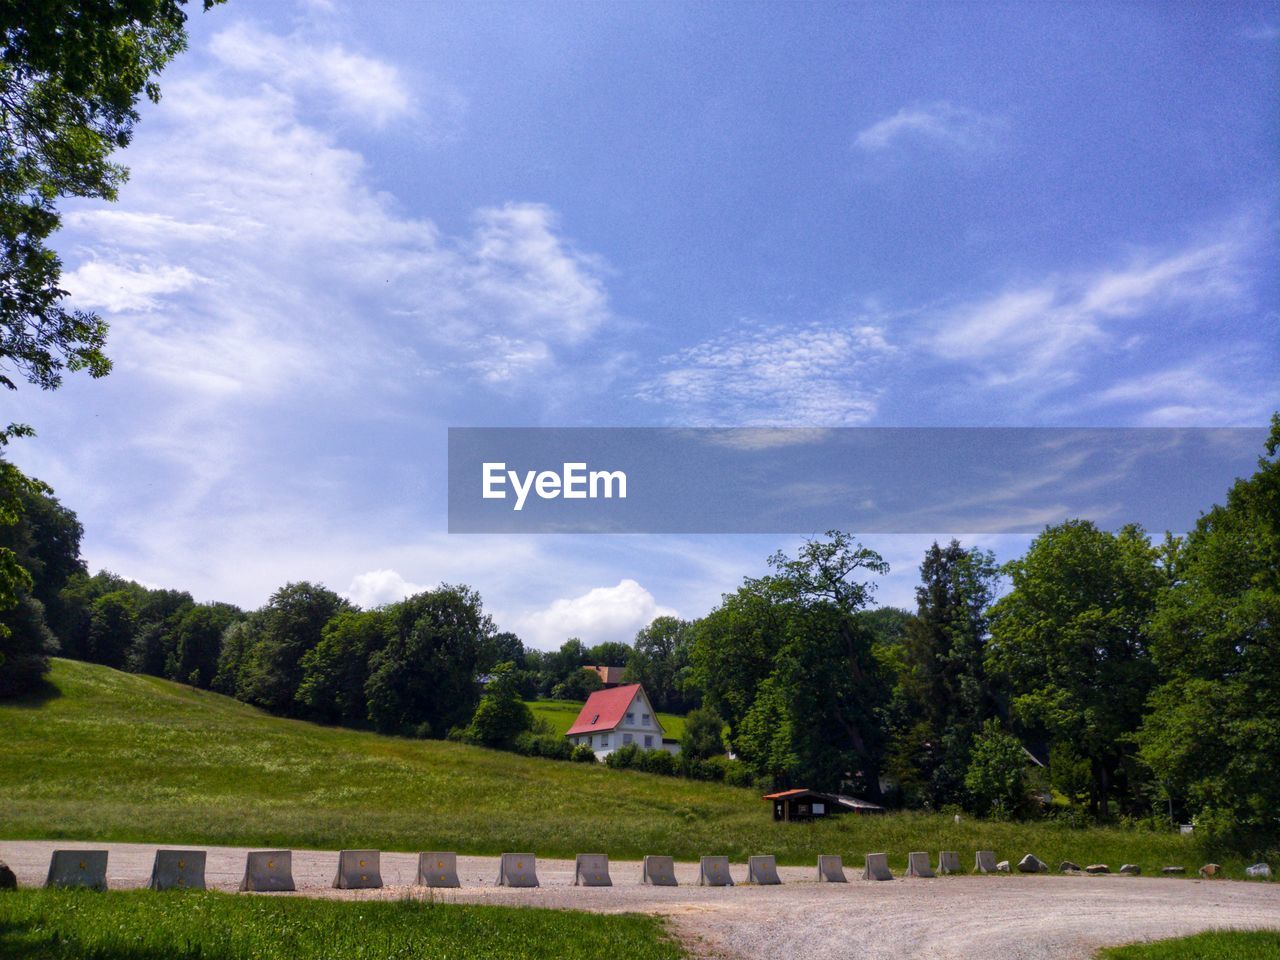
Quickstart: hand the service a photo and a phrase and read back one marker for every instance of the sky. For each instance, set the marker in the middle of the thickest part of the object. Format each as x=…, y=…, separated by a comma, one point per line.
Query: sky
x=350, y=227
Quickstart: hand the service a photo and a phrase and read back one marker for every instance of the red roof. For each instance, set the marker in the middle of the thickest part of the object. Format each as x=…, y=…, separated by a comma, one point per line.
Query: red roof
x=604, y=709
x=786, y=793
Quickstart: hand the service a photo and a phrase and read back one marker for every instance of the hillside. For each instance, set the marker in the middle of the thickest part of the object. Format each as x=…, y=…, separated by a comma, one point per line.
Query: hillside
x=560, y=714
x=117, y=756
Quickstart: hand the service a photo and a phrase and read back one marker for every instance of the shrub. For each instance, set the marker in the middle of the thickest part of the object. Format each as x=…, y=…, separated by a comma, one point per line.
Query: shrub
x=583, y=754
x=657, y=761
x=624, y=758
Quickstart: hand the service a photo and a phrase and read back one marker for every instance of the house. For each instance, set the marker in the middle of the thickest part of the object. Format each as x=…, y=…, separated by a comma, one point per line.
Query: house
x=616, y=717
x=609, y=676
x=804, y=804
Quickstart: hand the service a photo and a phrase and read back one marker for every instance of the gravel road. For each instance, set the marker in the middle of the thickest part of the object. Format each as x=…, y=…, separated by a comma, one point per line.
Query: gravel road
x=1022, y=917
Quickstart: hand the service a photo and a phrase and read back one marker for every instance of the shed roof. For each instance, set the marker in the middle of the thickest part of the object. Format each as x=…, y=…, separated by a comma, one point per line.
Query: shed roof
x=604, y=710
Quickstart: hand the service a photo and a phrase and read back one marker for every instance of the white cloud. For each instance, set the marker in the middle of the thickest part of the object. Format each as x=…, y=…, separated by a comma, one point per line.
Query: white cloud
x=813, y=376
x=604, y=613
x=941, y=123
x=116, y=287
x=379, y=587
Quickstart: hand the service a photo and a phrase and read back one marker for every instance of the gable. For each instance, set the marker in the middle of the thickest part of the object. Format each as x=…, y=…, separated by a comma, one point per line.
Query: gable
x=604, y=710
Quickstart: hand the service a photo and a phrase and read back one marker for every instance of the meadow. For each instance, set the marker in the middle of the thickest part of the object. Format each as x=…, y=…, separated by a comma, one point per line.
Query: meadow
x=1215, y=945
x=141, y=925
x=560, y=714
x=112, y=756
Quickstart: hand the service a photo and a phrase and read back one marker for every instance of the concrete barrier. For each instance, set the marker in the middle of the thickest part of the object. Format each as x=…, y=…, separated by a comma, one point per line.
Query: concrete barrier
x=591, y=870
x=877, y=867
x=518, y=870
x=78, y=868
x=714, y=872
x=358, y=870
x=985, y=862
x=831, y=870
x=948, y=862
x=762, y=870
x=918, y=865
x=178, y=870
x=268, y=871
x=437, y=870
x=659, y=872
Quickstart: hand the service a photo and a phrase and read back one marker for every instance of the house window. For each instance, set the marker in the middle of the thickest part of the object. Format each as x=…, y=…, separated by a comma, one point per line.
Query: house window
x=648, y=740
x=594, y=719
x=644, y=719
x=631, y=718
x=626, y=738
x=604, y=740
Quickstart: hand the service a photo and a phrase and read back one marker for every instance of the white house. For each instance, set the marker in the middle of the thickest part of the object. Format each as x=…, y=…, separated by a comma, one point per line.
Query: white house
x=616, y=717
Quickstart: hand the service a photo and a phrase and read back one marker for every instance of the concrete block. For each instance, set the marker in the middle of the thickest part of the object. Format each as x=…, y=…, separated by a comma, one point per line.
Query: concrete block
x=762, y=870
x=831, y=870
x=268, y=871
x=178, y=870
x=591, y=870
x=78, y=868
x=659, y=872
x=358, y=870
x=714, y=872
x=518, y=870
x=1131, y=870
x=948, y=862
x=918, y=865
x=437, y=870
x=985, y=862
x=877, y=867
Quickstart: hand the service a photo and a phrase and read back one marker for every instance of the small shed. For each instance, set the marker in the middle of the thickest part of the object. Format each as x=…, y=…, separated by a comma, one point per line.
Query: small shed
x=804, y=804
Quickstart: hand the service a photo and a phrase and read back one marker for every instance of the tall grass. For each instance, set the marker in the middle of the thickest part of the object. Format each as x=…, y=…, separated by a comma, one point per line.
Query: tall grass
x=1215, y=945
x=120, y=757
x=140, y=925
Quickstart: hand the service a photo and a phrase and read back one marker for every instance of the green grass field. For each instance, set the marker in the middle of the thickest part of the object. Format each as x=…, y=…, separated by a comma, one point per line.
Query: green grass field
x=140, y=925
x=120, y=757
x=560, y=714
x=1217, y=945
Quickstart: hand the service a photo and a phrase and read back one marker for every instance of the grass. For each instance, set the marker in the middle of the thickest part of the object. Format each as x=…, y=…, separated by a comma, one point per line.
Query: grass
x=560, y=714
x=140, y=925
x=113, y=756
x=1215, y=945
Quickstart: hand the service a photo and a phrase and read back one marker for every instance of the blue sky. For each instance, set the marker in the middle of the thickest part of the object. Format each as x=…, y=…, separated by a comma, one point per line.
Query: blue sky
x=350, y=227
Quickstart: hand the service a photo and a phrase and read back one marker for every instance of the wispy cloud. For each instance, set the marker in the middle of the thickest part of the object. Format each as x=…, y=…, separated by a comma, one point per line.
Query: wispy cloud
x=814, y=376
x=941, y=123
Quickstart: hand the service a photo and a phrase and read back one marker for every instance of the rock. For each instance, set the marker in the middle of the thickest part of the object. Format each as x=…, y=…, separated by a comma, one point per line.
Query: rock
x=1173, y=870
x=8, y=880
x=1002, y=866
x=1096, y=868
x=1210, y=870
x=1260, y=871
x=1032, y=864
x=1068, y=867
x=1132, y=869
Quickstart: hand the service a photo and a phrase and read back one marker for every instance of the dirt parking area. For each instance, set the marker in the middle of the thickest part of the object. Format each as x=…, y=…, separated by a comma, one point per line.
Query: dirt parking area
x=1023, y=917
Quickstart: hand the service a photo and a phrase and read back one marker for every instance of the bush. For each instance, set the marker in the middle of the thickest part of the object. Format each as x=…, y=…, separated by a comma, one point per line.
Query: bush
x=658, y=761
x=583, y=754
x=624, y=758
x=549, y=745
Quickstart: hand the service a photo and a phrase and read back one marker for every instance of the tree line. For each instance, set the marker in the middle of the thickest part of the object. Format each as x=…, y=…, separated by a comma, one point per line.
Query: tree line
x=1101, y=674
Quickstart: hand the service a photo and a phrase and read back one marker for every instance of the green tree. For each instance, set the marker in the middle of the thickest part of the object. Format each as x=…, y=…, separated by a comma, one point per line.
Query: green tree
x=1212, y=736
x=703, y=734
x=111, y=626
x=71, y=75
x=336, y=670
x=611, y=653
x=197, y=642
x=578, y=685
x=659, y=659
x=1070, y=641
x=997, y=775
x=501, y=715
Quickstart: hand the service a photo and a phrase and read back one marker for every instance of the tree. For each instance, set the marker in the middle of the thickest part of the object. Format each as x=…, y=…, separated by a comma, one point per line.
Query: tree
x=111, y=625
x=424, y=680
x=1070, y=641
x=71, y=74
x=578, y=685
x=659, y=659
x=997, y=775
x=501, y=715
x=197, y=642
x=336, y=670
x=703, y=734
x=1212, y=735
x=504, y=647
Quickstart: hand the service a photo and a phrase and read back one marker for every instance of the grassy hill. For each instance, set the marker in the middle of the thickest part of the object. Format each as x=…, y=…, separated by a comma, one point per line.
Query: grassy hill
x=115, y=756
x=560, y=714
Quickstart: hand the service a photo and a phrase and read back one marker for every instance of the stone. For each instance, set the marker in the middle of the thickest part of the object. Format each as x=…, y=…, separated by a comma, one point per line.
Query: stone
x=1003, y=867
x=437, y=869
x=762, y=870
x=1131, y=870
x=518, y=870
x=877, y=867
x=78, y=868
x=1097, y=868
x=1066, y=866
x=8, y=879
x=1210, y=870
x=714, y=872
x=659, y=872
x=985, y=862
x=177, y=870
x=1032, y=864
x=1173, y=870
x=918, y=865
x=831, y=870
x=591, y=870
x=268, y=871
x=1259, y=871
x=948, y=862
x=358, y=870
